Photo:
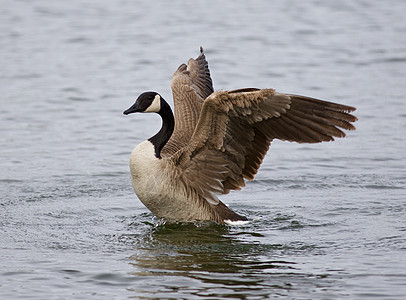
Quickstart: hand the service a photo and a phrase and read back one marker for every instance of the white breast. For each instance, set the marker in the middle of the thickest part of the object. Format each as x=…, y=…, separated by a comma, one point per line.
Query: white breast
x=142, y=157
x=144, y=168
x=155, y=184
x=151, y=181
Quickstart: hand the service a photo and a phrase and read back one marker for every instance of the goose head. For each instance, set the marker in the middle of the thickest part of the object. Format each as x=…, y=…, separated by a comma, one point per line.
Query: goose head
x=152, y=102
x=148, y=102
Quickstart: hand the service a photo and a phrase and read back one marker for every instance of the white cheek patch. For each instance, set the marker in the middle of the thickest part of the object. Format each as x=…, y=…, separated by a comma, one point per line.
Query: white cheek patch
x=155, y=105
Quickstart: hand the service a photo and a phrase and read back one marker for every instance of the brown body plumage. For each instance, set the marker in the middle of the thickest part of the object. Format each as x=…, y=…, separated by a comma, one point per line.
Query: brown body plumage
x=219, y=140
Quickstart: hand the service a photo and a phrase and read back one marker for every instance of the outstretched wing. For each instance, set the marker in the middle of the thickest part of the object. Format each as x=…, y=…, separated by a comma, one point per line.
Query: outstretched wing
x=236, y=128
x=190, y=85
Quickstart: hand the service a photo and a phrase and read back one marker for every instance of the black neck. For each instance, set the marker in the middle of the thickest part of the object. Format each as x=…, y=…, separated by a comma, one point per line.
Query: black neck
x=168, y=123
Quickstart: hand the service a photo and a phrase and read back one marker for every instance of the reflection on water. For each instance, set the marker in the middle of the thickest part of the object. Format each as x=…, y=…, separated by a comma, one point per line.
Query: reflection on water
x=217, y=262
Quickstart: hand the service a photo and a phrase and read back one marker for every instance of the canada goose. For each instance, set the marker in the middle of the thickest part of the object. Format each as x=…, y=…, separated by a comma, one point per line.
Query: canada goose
x=216, y=140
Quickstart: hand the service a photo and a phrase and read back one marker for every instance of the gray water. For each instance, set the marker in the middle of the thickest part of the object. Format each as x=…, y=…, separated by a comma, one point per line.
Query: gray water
x=327, y=221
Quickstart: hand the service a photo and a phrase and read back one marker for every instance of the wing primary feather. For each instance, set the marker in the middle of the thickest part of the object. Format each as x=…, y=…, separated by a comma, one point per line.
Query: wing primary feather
x=317, y=124
x=236, y=128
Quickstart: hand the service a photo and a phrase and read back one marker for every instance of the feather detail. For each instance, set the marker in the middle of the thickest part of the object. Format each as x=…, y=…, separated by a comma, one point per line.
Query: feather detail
x=236, y=128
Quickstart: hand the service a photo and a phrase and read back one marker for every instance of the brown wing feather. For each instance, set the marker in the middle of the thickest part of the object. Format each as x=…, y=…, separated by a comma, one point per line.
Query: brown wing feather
x=236, y=128
x=200, y=75
x=190, y=85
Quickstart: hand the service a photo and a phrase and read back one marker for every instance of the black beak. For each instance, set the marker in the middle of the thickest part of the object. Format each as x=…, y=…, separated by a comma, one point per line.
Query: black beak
x=132, y=109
